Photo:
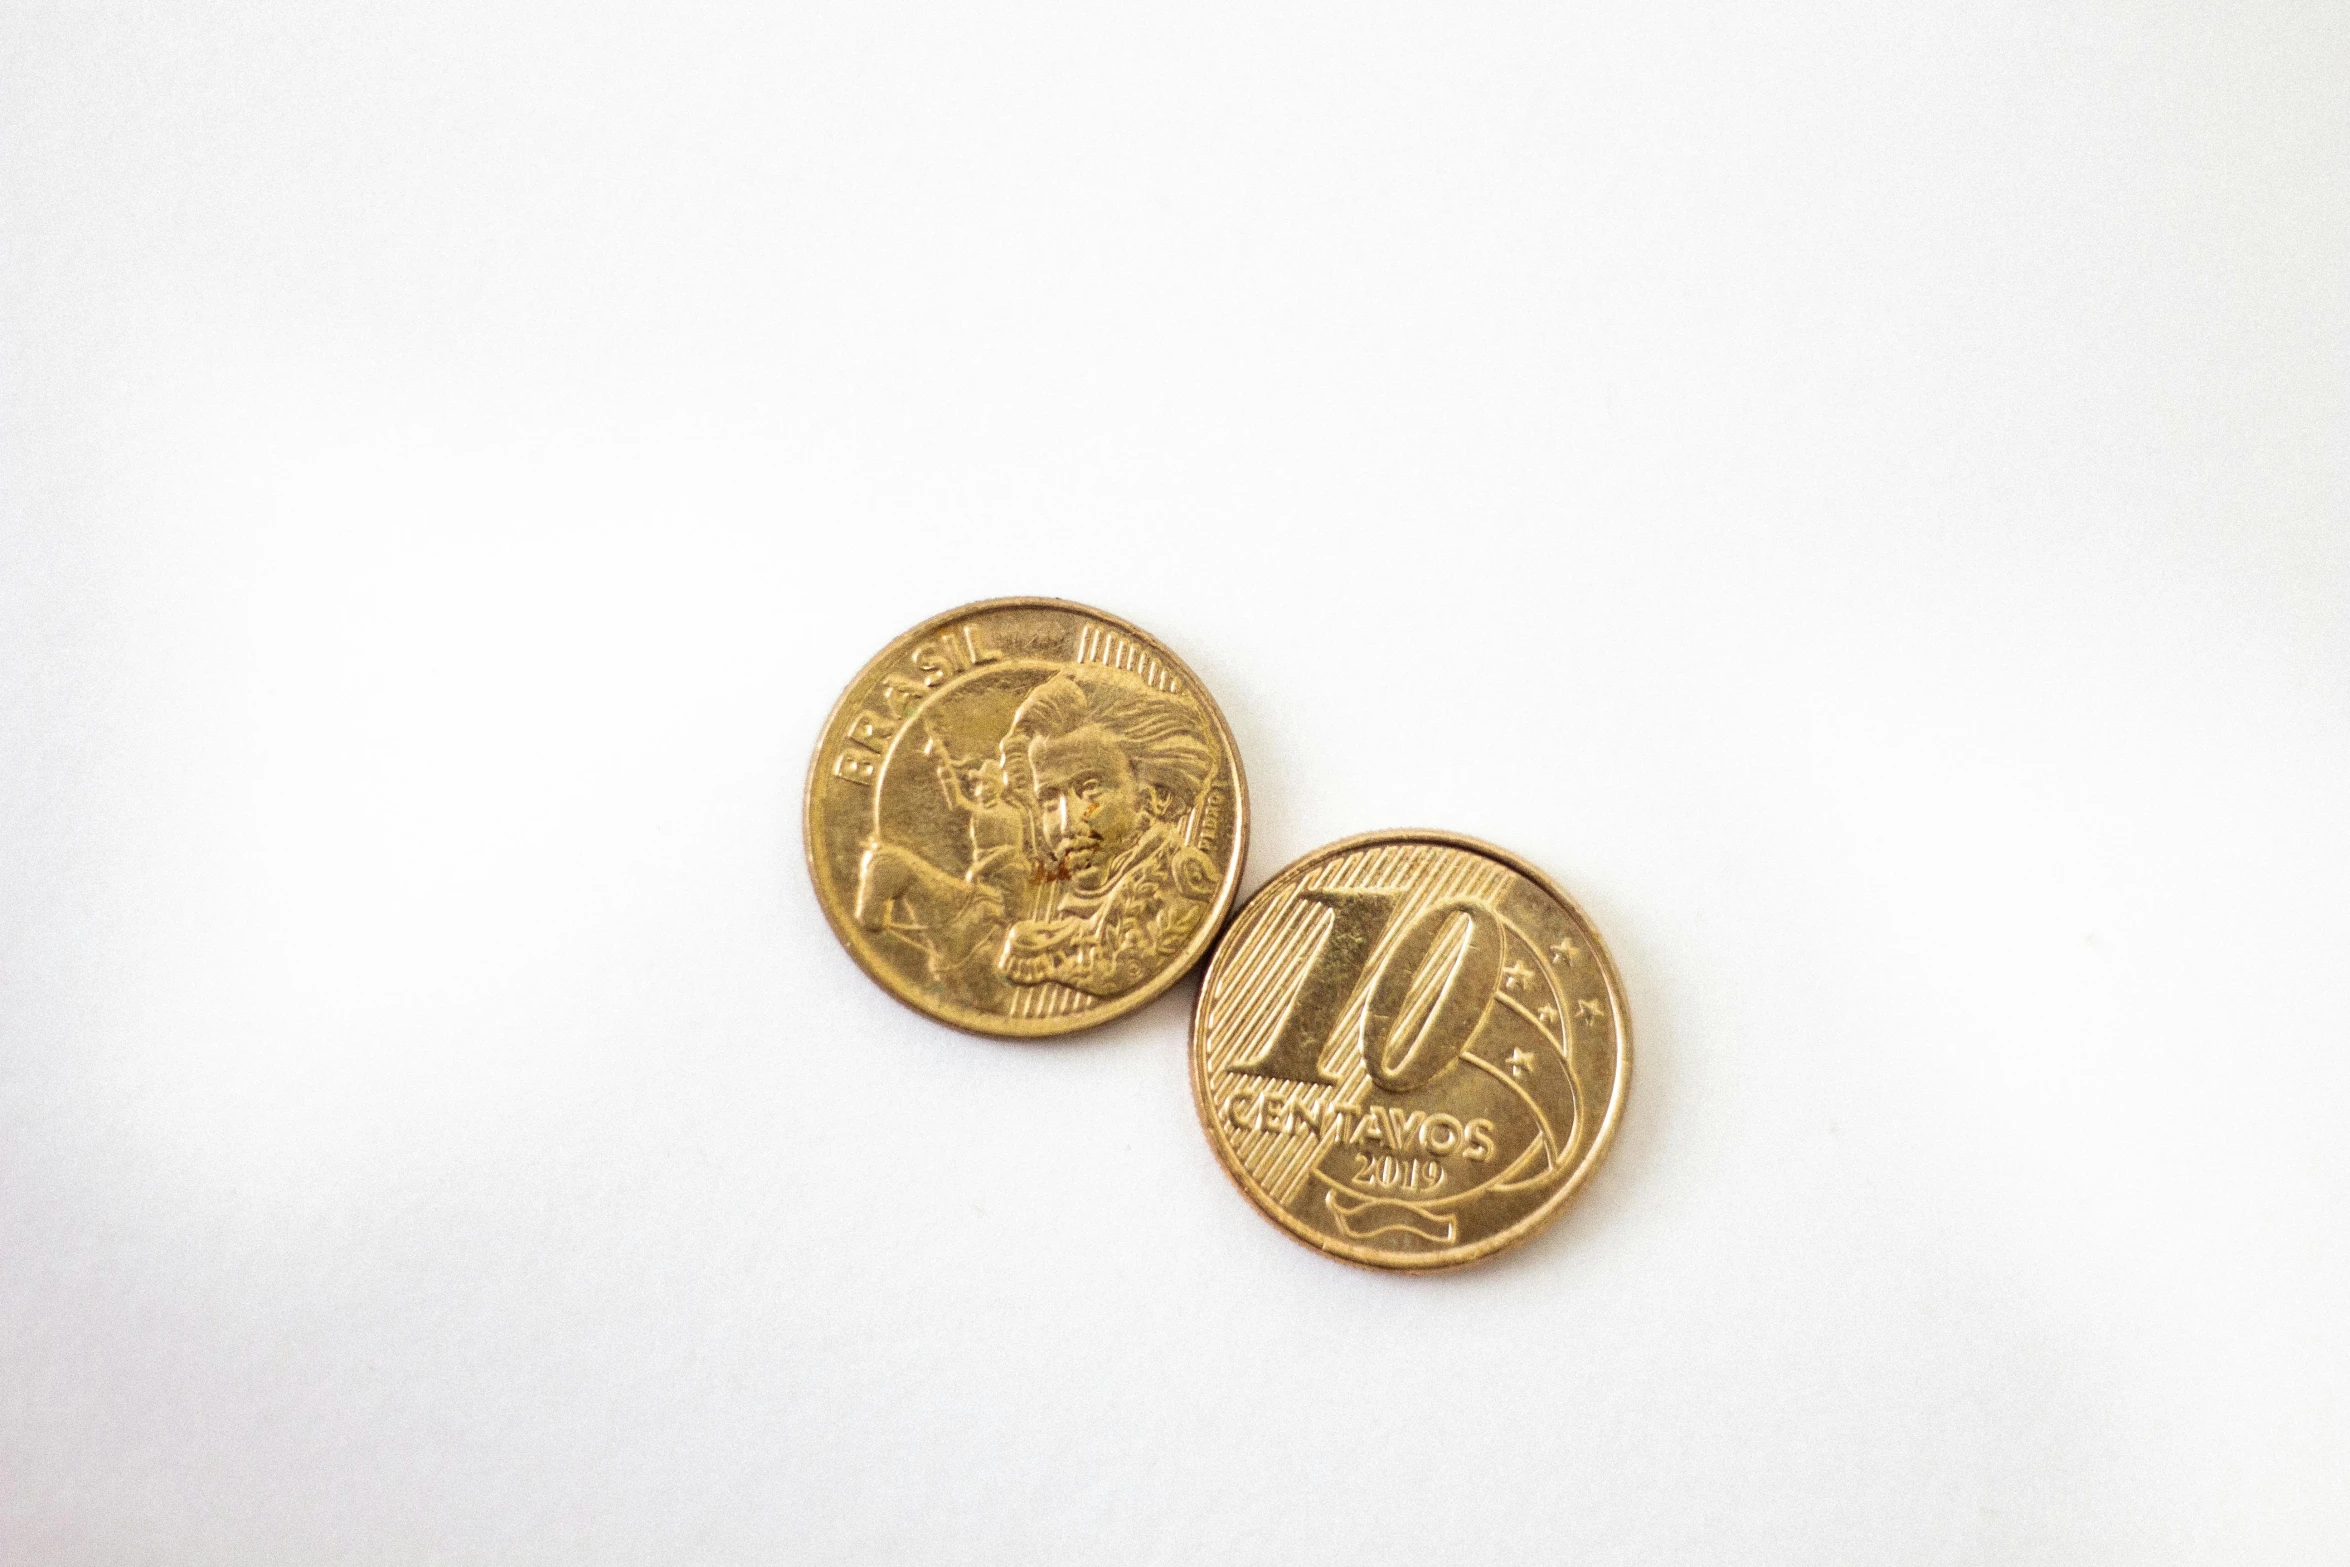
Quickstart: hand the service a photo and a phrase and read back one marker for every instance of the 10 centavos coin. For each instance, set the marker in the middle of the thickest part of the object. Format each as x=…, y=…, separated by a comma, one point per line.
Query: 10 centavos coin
x=1025, y=817
x=1410, y=1049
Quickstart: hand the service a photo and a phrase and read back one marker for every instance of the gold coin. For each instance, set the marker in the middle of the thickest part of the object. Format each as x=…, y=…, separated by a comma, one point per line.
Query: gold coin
x=1410, y=1049
x=1025, y=817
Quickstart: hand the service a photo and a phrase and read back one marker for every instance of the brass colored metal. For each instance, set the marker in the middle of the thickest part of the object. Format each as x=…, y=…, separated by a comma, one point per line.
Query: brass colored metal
x=1025, y=817
x=1410, y=1049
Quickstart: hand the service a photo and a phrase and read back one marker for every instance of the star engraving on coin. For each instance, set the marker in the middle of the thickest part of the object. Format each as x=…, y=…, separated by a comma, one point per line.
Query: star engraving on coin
x=1366, y=1070
x=1025, y=817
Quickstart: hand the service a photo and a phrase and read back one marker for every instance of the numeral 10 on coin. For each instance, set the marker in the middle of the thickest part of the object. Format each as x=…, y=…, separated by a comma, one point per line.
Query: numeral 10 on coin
x=1427, y=998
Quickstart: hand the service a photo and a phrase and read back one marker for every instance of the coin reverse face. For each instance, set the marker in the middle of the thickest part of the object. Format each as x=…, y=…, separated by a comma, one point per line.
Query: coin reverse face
x=1025, y=817
x=1410, y=1050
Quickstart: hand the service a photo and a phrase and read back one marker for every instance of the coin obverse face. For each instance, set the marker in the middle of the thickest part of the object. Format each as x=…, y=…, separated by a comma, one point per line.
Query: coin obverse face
x=1410, y=1050
x=1025, y=817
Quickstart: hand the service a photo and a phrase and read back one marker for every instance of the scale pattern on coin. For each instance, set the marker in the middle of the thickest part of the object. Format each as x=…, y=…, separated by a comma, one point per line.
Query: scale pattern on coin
x=1025, y=818
x=1410, y=1049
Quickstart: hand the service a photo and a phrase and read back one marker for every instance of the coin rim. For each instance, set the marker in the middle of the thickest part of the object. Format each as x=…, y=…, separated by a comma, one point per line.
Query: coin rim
x=1525, y=1228
x=1072, y=1023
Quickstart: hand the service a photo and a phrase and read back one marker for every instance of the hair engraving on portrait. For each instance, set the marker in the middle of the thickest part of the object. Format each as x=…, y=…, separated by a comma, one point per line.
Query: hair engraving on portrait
x=1079, y=871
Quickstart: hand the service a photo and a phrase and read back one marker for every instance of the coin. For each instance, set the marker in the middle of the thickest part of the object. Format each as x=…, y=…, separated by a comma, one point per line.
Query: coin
x=1025, y=817
x=1410, y=1049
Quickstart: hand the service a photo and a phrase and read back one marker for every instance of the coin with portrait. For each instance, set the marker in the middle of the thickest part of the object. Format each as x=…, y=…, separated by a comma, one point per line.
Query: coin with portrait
x=1025, y=817
x=1410, y=1050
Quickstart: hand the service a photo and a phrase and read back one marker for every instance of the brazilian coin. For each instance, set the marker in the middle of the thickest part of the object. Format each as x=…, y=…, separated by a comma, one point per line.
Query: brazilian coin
x=1025, y=817
x=1410, y=1050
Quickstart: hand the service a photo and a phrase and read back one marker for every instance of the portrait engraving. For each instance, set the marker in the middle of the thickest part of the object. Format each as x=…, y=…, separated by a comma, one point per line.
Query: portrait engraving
x=1044, y=823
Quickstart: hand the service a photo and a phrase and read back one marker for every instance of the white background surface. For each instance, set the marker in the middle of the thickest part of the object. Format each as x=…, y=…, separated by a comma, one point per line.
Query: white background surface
x=1858, y=493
